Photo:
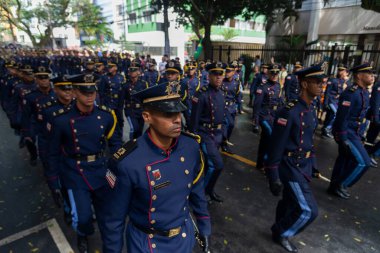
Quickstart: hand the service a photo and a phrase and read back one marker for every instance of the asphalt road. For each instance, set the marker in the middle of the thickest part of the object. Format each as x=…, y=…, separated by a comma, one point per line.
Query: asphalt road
x=241, y=224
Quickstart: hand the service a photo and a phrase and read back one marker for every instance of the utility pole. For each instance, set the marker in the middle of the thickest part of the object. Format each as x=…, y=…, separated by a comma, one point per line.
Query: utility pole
x=166, y=27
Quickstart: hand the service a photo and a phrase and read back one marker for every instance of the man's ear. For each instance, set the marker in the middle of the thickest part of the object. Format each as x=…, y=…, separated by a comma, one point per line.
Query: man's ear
x=146, y=116
x=303, y=84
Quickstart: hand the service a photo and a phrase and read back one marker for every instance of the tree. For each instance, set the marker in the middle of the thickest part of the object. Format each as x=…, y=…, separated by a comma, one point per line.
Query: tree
x=91, y=23
x=50, y=14
x=203, y=14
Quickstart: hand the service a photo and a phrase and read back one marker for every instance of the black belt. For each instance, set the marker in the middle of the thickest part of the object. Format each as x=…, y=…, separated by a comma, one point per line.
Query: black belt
x=219, y=126
x=168, y=233
x=299, y=154
x=88, y=158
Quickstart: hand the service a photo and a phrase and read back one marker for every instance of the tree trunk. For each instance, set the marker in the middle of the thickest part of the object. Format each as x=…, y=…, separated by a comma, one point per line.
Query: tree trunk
x=166, y=28
x=206, y=43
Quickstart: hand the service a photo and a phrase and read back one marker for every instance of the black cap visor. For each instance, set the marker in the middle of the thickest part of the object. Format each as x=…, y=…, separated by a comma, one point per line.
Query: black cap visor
x=170, y=105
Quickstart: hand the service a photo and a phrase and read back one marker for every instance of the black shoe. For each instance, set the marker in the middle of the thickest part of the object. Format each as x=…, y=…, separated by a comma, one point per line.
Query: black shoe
x=33, y=162
x=339, y=192
x=82, y=244
x=215, y=197
x=226, y=148
x=285, y=243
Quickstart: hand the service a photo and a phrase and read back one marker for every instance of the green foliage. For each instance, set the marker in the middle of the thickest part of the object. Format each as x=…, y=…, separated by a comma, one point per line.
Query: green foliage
x=373, y=5
x=91, y=22
x=229, y=34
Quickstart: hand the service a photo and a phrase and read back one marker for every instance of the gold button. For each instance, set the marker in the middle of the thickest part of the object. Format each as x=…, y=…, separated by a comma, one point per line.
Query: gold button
x=301, y=141
x=189, y=185
x=153, y=245
x=152, y=183
x=183, y=235
x=78, y=148
x=75, y=130
x=184, y=209
x=78, y=162
x=154, y=197
x=72, y=121
x=303, y=132
x=187, y=197
x=76, y=140
x=99, y=117
x=153, y=209
x=187, y=172
x=182, y=159
x=149, y=168
x=150, y=236
x=101, y=127
x=81, y=170
x=152, y=221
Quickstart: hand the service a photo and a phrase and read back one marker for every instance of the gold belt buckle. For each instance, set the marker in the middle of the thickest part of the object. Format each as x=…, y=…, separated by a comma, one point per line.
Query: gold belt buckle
x=219, y=126
x=308, y=154
x=91, y=158
x=174, y=231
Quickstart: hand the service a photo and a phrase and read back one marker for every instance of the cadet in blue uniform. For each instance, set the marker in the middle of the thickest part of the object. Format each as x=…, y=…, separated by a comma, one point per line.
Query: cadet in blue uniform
x=203, y=73
x=258, y=81
x=353, y=159
x=132, y=105
x=334, y=89
x=374, y=127
x=267, y=101
x=31, y=119
x=158, y=181
x=207, y=117
x=77, y=155
x=291, y=85
x=290, y=162
x=111, y=92
x=64, y=94
x=151, y=75
x=231, y=87
x=192, y=85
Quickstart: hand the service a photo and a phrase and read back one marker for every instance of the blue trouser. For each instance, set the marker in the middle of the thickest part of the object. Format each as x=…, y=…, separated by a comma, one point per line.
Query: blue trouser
x=42, y=145
x=81, y=210
x=266, y=132
x=296, y=210
x=330, y=116
x=372, y=133
x=230, y=124
x=350, y=166
x=213, y=159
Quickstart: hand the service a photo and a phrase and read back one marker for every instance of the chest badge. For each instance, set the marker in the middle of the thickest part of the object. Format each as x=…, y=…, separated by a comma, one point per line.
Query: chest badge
x=156, y=174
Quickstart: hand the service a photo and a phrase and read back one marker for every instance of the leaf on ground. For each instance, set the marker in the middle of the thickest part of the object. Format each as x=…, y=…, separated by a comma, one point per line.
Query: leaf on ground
x=30, y=244
x=372, y=248
x=356, y=197
x=227, y=188
x=357, y=222
x=342, y=210
x=325, y=216
x=357, y=239
x=228, y=218
x=302, y=243
x=225, y=242
x=34, y=250
x=246, y=189
x=326, y=235
x=374, y=208
x=1, y=228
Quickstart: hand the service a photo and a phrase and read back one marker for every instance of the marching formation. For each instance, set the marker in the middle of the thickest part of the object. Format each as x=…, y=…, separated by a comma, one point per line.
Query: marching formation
x=72, y=110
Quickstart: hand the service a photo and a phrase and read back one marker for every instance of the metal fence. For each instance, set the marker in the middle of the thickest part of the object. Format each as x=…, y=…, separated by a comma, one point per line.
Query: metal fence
x=350, y=55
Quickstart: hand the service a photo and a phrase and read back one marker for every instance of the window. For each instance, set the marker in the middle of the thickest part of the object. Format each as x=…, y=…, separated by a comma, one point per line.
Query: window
x=120, y=27
x=147, y=16
x=132, y=18
x=232, y=23
x=119, y=10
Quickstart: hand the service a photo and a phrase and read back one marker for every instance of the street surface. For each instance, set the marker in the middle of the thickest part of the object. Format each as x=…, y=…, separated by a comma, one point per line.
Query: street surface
x=30, y=222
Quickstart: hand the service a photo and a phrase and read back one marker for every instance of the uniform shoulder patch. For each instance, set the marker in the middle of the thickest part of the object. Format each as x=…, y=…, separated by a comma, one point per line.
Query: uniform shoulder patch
x=125, y=149
x=105, y=108
x=353, y=88
x=61, y=111
x=291, y=104
x=194, y=136
x=49, y=104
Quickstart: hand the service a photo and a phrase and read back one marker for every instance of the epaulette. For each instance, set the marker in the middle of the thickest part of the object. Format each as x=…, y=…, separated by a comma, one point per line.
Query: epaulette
x=49, y=104
x=291, y=103
x=194, y=136
x=105, y=108
x=204, y=88
x=61, y=111
x=125, y=149
x=353, y=88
